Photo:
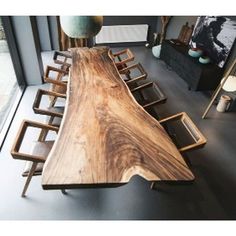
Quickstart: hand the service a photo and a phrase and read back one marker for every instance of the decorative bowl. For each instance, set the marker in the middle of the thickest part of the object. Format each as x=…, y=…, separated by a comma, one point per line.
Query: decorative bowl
x=204, y=60
x=195, y=52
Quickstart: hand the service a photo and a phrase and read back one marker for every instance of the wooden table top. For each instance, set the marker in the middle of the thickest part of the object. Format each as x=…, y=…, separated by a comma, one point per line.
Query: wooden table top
x=106, y=137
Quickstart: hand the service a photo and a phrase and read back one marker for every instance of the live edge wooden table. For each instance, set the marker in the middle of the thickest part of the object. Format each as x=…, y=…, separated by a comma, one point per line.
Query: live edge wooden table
x=106, y=137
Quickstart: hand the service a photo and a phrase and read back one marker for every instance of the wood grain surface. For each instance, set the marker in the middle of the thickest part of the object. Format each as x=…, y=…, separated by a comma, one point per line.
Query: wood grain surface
x=106, y=137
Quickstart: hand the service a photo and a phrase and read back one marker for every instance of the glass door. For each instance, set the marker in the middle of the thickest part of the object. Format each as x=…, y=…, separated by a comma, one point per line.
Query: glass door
x=10, y=88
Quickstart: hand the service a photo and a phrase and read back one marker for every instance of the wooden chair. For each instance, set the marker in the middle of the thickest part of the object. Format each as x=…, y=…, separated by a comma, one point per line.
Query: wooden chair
x=58, y=82
x=55, y=113
x=122, y=57
x=183, y=132
x=136, y=73
x=133, y=73
x=58, y=78
x=197, y=137
x=63, y=59
x=38, y=154
x=150, y=94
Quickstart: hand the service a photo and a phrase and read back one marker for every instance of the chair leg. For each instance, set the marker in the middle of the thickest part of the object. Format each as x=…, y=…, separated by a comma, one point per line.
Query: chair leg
x=152, y=185
x=63, y=191
x=53, y=102
x=43, y=134
x=156, y=186
x=32, y=170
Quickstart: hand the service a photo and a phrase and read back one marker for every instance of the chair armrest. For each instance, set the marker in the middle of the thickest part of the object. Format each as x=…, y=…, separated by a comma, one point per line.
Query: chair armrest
x=62, y=62
x=150, y=104
x=37, y=101
x=56, y=82
x=58, y=79
x=124, y=51
x=51, y=68
x=63, y=54
x=128, y=68
x=140, y=87
x=20, y=136
x=192, y=129
x=130, y=57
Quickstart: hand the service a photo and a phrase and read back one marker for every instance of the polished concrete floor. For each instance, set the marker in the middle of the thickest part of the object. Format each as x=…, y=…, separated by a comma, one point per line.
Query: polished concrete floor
x=211, y=196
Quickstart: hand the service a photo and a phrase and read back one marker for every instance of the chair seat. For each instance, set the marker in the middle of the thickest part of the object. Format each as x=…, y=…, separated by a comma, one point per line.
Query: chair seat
x=39, y=149
x=150, y=93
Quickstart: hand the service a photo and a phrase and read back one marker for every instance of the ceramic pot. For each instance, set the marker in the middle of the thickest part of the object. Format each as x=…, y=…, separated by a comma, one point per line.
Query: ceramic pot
x=204, y=60
x=223, y=104
x=156, y=51
x=195, y=52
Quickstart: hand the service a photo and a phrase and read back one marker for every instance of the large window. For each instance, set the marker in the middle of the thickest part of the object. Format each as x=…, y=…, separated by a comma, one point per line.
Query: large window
x=10, y=86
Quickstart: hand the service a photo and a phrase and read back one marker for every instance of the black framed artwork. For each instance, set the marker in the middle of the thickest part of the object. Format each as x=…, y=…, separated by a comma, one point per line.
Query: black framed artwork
x=215, y=35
